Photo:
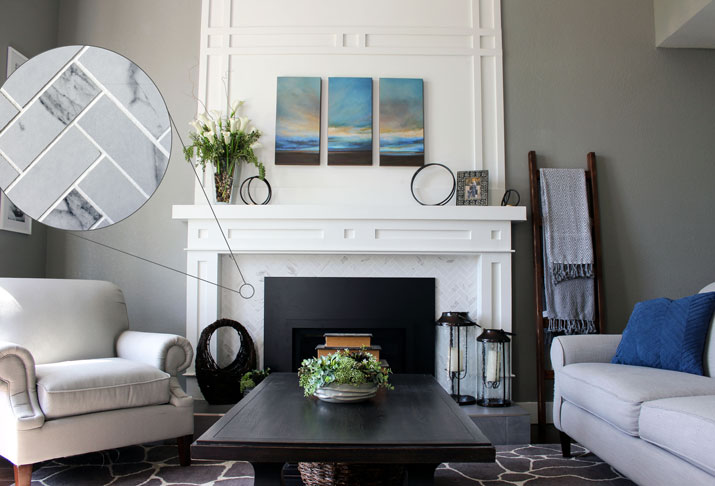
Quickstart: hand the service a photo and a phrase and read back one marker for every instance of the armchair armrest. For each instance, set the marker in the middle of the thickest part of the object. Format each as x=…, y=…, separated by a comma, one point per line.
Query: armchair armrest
x=584, y=348
x=168, y=352
x=18, y=384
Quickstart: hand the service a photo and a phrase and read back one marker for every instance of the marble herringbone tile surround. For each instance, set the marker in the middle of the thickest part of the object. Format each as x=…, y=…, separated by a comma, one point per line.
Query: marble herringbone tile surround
x=84, y=139
x=456, y=281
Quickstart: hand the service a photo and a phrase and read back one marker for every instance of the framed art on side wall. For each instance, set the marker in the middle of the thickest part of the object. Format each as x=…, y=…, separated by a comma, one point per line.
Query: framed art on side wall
x=12, y=218
x=472, y=188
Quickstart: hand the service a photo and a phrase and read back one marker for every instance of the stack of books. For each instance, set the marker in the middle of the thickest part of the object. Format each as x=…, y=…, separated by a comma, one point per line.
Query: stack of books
x=350, y=341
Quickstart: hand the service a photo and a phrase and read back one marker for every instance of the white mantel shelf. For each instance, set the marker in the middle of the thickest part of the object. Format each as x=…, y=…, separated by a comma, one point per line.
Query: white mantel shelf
x=351, y=229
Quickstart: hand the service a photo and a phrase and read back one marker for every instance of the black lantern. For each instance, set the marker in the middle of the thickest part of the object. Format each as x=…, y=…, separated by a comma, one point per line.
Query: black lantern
x=459, y=325
x=494, y=356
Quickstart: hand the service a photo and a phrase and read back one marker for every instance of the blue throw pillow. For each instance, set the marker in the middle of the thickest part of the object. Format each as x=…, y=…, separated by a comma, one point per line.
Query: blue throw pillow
x=668, y=334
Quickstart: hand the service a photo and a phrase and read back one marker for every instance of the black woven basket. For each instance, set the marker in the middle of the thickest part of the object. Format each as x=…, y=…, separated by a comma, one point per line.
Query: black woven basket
x=342, y=474
x=222, y=385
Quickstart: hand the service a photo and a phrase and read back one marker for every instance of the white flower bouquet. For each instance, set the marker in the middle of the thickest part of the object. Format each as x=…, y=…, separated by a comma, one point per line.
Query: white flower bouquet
x=224, y=141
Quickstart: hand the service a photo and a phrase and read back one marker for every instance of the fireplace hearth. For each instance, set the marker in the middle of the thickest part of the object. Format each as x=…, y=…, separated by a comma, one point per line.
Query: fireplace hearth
x=399, y=312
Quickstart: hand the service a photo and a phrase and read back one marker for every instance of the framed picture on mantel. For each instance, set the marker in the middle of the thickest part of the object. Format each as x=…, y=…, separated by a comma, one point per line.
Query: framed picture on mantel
x=473, y=188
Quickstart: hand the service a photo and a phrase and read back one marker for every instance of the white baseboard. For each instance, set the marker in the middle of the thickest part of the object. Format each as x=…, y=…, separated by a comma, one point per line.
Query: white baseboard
x=533, y=409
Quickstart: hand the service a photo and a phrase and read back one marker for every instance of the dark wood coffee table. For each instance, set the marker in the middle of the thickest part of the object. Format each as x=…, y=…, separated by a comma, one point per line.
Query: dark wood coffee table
x=416, y=424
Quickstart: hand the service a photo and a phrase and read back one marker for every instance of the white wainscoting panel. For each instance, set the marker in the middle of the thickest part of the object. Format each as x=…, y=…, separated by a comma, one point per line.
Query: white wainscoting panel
x=454, y=45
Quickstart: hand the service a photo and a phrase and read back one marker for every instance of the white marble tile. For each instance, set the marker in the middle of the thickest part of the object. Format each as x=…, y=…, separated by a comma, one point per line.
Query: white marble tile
x=47, y=116
x=32, y=76
x=73, y=213
x=29, y=135
x=125, y=143
x=69, y=94
x=7, y=173
x=130, y=85
x=7, y=111
x=111, y=191
x=54, y=173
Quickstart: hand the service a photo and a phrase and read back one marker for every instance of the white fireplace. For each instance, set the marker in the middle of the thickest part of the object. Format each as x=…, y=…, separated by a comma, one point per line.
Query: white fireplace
x=467, y=249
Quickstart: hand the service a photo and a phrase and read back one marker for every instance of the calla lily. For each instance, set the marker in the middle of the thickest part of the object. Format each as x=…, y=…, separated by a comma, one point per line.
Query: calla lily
x=234, y=125
x=196, y=126
x=226, y=137
x=203, y=119
x=209, y=135
x=244, y=123
x=212, y=125
x=236, y=105
x=216, y=114
x=253, y=129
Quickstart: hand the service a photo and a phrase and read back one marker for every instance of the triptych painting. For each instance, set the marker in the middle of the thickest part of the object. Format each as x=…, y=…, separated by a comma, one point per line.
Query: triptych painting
x=350, y=121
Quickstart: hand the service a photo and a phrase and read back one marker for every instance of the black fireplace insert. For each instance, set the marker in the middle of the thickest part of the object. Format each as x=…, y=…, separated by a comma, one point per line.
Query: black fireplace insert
x=399, y=312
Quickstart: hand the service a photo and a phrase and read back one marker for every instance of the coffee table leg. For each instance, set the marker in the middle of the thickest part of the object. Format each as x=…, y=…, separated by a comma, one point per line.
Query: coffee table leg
x=420, y=474
x=268, y=473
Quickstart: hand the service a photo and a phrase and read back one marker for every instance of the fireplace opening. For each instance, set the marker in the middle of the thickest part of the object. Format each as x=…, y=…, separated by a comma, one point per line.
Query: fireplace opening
x=398, y=312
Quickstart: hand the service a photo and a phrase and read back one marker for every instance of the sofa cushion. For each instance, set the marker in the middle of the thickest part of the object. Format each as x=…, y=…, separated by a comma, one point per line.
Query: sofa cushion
x=615, y=392
x=684, y=426
x=668, y=334
x=94, y=385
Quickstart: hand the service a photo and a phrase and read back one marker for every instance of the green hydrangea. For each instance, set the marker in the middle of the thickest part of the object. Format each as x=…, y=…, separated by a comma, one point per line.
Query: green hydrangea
x=342, y=367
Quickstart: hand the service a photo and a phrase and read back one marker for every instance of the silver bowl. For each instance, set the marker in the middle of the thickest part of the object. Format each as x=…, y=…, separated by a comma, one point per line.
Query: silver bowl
x=346, y=393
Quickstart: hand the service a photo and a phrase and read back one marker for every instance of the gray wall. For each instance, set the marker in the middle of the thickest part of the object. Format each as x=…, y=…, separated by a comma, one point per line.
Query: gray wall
x=30, y=26
x=161, y=37
x=584, y=75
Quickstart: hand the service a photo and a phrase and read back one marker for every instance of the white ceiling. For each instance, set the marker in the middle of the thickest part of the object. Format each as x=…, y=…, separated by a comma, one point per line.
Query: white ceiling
x=685, y=23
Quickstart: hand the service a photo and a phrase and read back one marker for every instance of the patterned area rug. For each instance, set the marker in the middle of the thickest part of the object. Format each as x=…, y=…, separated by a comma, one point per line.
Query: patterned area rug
x=534, y=465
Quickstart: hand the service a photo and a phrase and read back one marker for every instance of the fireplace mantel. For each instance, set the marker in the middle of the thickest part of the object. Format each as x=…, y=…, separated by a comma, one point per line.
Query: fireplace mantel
x=351, y=229
x=297, y=229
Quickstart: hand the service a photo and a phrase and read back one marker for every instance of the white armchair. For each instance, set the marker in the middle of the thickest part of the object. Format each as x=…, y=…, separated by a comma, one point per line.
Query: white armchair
x=74, y=379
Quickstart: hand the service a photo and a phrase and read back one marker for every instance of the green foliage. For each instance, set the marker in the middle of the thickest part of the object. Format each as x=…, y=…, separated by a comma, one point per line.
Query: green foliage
x=342, y=367
x=224, y=142
x=252, y=378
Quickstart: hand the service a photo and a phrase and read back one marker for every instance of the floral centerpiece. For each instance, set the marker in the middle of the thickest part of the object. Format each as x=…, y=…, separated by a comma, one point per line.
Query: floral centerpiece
x=224, y=142
x=343, y=376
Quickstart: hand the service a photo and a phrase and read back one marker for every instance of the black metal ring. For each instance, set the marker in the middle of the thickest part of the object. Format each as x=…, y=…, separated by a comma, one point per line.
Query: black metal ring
x=507, y=197
x=445, y=200
x=248, y=191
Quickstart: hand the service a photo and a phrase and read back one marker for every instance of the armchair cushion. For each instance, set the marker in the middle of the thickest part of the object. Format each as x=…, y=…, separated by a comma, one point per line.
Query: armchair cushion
x=77, y=387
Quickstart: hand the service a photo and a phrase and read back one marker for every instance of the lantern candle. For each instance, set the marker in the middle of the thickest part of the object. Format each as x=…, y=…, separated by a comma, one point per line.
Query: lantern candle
x=456, y=360
x=493, y=365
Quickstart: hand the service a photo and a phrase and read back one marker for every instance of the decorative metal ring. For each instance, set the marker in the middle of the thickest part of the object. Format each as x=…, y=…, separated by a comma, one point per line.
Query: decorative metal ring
x=249, y=293
x=505, y=201
x=445, y=200
x=248, y=191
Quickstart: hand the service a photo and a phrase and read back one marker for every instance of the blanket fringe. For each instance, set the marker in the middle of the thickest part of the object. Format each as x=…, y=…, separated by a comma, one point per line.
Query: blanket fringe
x=571, y=326
x=570, y=271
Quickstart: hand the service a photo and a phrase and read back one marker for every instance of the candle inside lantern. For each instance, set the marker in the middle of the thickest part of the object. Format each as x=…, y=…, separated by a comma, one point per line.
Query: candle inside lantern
x=456, y=360
x=493, y=365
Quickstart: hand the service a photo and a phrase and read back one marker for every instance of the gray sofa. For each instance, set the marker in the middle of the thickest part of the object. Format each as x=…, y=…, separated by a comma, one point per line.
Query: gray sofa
x=75, y=379
x=657, y=427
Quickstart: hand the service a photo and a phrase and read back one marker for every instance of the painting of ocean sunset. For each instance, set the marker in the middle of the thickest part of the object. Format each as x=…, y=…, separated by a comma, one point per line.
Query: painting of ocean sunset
x=298, y=121
x=349, y=121
x=402, y=133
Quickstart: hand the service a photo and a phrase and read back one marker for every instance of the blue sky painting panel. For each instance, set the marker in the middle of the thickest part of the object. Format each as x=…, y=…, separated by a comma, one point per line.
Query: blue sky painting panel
x=350, y=121
x=401, y=121
x=298, y=120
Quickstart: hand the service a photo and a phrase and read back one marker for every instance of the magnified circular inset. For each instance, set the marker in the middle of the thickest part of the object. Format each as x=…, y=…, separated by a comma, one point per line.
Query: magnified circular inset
x=85, y=137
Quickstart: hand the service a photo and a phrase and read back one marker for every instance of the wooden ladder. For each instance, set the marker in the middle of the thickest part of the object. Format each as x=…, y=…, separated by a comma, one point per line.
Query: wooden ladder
x=545, y=373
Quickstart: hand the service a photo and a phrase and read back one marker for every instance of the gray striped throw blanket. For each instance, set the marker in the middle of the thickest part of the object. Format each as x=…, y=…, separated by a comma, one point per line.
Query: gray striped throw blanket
x=568, y=252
